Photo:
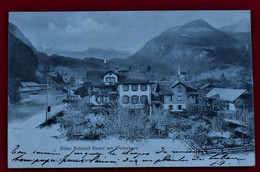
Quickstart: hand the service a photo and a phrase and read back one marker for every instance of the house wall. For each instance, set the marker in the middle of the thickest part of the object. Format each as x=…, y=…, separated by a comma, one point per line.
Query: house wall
x=102, y=99
x=14, y=94
x=110, y=75
x=175, y=107
x=182, y=93
x=24, y=95
x=174, y=101
x=130, y=93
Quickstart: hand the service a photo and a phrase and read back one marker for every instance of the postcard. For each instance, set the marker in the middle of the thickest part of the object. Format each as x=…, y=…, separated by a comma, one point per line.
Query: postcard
x=130, y=89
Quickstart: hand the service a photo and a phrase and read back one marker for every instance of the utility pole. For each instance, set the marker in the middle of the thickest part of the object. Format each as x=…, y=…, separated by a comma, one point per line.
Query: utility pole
x=47, y=91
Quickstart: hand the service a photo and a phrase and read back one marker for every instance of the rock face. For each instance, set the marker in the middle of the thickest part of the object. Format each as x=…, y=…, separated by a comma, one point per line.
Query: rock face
x=22, y=61
x=15, y=31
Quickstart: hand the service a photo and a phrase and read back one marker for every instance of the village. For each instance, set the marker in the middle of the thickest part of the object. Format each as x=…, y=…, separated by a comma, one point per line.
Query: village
x=226, y=110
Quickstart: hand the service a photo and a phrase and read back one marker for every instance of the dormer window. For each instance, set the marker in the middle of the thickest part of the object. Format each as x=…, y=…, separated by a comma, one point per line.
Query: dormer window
x=106, y=99
x=110, y=79
x=98, y=99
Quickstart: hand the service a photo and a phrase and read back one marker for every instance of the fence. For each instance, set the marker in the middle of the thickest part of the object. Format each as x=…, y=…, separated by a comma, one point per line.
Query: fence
x=222, y=150
x=226, y=150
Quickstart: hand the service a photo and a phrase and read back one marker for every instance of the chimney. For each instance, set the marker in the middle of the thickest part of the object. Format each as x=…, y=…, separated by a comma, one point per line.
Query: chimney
x=179, y=71
x=116, y=71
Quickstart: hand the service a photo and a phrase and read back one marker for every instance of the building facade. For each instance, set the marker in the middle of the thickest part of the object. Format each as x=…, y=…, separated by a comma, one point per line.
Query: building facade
x=176, y=96
x=134, y=94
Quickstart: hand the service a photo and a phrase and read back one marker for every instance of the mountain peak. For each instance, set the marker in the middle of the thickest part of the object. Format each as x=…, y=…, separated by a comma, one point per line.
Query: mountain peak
x=197, y=23
x=197, y=26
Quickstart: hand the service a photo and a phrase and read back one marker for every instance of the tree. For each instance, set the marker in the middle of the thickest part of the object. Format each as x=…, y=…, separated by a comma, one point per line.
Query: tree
x=82, y=91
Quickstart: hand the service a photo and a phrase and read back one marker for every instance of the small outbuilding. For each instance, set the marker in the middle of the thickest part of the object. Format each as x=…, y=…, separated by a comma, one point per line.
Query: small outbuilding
x=232, y=99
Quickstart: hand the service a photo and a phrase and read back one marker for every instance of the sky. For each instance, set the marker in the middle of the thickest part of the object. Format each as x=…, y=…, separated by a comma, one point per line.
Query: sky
x=121, y=30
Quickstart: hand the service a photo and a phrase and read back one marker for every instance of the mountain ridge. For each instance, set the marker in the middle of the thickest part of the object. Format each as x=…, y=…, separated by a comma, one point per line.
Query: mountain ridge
x=101, y=53
x=194, y=43
x=242, y=26
x=196, y=47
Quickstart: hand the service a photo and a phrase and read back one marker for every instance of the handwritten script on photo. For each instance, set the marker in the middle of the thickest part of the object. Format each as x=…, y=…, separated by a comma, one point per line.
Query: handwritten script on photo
x=115, y=155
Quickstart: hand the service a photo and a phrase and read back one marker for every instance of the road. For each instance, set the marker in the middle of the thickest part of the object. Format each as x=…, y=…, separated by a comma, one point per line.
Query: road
x=35, y=104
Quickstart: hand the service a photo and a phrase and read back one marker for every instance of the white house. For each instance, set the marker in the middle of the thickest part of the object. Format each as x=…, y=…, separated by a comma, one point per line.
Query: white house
x=134, y=94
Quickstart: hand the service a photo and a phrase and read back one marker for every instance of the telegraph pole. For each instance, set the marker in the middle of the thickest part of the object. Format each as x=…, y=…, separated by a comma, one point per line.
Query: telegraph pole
x=47, y=89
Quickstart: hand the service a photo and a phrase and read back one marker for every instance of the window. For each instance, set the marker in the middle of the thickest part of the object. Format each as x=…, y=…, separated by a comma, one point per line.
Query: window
x=134, y=99
x=134, y=87
x=143, y=87
x=125, y=87
x=106, y=99
x=179, y=98
x=179, y=107
x=170, y=107
x=179, y=88
x=170, y=98
x=125, y=99
x=98, y=99
x=143, y=99
x=110, y=79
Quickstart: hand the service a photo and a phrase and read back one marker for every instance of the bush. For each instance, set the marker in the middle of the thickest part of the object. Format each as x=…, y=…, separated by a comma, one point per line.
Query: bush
x=159, y=122
x=219, y=124
x=129, y=125
x=199, y=134
x=119, y=122
x=68, y=121
x=74, y=123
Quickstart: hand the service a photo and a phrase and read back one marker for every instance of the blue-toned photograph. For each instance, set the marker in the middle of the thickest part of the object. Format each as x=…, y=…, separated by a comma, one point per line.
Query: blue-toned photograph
x=130, y=89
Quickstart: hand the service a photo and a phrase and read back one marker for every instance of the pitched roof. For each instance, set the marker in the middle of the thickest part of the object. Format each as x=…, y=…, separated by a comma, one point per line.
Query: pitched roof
x=165, y=88
x=184, y=73
x=109, y=72
x=185, y=84
x=95, y=77
x=29, y=84
x=225, y=94
x=26, y=89
x=205, y=86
